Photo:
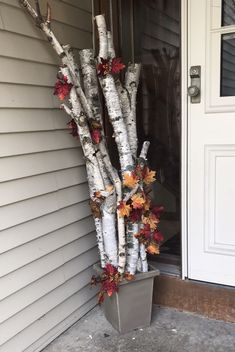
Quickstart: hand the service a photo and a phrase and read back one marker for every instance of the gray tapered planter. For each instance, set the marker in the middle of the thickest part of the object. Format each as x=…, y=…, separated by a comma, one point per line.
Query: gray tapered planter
x=131, y=307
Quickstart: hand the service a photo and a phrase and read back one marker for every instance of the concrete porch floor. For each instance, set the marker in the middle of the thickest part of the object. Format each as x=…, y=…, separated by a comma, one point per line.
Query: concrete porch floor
x=170, y=331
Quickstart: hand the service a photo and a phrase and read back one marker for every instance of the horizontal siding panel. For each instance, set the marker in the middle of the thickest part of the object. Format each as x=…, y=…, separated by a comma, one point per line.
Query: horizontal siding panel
x=28, y=274
x=26, y=48
x=31, y=293
x=29, y=231
x=39, y=206
x=26, y=143
x=33, y=164
x=24, y=96
x=81, y=4
x=61, y=12
x=31, y=251
x=75, y=37
x=17, y=21
x=47, y=238
x=76, y=306
x=36, y=311
x=22, y=189
x=26, y=72
x=31, y=120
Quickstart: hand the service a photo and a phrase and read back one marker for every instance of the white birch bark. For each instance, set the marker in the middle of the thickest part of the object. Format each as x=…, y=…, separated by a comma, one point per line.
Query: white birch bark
x=93, y=186
x=131, y=84
x=103, y=38
x=143, y=254
x=143, y=259
x=120, y=133
x=111, y=50
x=132, y=248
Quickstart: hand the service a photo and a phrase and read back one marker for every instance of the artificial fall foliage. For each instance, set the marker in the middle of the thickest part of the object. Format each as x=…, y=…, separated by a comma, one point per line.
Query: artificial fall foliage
x=62, y=88
x=107, y=66
x=126, y=221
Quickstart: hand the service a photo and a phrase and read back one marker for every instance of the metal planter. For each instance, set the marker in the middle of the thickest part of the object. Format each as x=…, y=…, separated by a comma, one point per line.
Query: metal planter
x=131, y=307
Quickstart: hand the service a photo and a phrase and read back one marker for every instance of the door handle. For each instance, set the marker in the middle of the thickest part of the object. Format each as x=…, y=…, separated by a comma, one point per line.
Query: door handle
x=194, y=91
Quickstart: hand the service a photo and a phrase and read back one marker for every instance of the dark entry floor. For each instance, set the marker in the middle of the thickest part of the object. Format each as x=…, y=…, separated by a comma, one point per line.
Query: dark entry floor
x=170, y=331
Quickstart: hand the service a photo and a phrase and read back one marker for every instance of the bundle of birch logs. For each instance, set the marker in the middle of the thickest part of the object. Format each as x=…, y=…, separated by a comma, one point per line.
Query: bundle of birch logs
x=125, y=221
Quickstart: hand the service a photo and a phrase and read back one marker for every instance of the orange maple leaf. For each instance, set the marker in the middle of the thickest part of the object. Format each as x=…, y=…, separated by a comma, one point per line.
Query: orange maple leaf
x=152, y=220
x=130, y=180
x=137, y=201
x=124, y=209
x=149, y=176
x=153, y=248
x=147, y=204
x=129, y=277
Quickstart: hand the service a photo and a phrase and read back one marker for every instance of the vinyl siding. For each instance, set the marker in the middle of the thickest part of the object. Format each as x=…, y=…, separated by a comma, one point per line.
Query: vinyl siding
x=47, y=238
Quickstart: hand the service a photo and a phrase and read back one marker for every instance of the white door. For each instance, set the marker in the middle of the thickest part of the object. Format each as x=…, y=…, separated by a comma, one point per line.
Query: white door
x=211, y=143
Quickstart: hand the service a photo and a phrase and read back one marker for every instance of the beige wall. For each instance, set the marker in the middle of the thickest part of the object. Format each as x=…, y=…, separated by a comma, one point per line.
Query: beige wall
x=47, y=240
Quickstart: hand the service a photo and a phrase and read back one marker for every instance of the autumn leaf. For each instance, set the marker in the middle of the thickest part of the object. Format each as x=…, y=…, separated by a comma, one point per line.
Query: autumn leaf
x=124, y=209
x=117, y=65
x=129, y=180
x=148, y=176
x=137, y=201
x=158, y=236
x=152, y=220
x=62, y=88
x=103, y=67
x=72, y=126
x=129, y=277
x=157, y=210
x=147, y=203
x=153, y=248
x=95, y=208
x=146, y=230
x=135, y=215
x=96, y=136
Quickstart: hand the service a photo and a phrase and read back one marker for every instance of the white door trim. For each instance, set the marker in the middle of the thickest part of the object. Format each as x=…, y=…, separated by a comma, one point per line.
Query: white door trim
x=184, y=138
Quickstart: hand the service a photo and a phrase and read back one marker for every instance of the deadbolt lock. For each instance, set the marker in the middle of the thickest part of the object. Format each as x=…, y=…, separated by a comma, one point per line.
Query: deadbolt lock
x=194, y=91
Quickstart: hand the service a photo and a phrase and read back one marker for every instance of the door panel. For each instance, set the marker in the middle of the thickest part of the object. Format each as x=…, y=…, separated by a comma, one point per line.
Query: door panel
x=211, y=144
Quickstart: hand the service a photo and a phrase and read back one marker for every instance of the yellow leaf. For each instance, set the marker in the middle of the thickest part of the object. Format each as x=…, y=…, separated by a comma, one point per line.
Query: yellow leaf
x=129, y=180
x=149, y=176
x=124, y=209
x=137, y=201
x=129, y=277
x=147, y=204
x=153, y=248
x=152, y=220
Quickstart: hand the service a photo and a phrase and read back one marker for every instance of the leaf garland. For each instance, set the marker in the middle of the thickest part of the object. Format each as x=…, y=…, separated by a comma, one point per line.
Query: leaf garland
x=138, y=208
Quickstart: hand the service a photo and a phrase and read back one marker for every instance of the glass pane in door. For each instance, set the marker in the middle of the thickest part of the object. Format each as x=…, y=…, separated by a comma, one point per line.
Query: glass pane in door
x=157, y=47
x=228, y=12
x=227, y=87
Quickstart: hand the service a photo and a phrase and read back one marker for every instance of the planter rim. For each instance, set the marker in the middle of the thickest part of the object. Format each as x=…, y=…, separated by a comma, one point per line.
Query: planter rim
x=138, y=276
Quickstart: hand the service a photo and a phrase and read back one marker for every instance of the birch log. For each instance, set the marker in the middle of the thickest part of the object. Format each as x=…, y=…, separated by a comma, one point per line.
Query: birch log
x=131, y=84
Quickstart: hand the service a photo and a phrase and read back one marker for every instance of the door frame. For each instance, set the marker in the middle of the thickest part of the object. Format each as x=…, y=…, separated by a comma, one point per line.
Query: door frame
x=184, y=139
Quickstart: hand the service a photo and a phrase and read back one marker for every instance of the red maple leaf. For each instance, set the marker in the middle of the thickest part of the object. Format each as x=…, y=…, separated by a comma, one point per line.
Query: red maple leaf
x=135, y=215
x=62, y=88
x=73, y=128
x=117, y=65
x=146, y=231
x=158, y=236
x=96, y=136
x=157, y=210
x=103, y=67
